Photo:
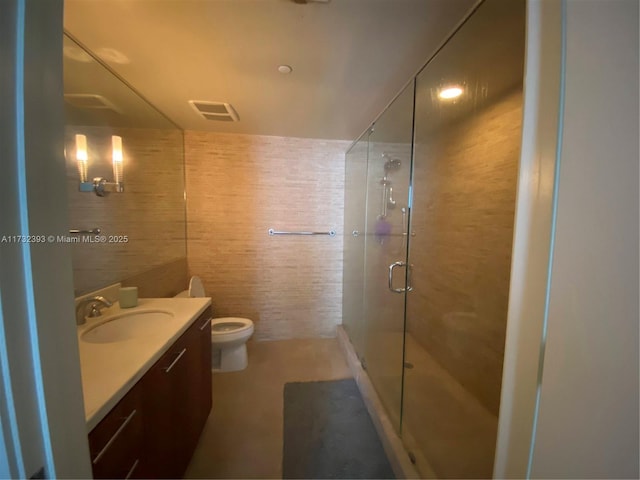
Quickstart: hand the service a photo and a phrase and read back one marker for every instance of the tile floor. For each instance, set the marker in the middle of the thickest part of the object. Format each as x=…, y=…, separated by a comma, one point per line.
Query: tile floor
x=243, y=435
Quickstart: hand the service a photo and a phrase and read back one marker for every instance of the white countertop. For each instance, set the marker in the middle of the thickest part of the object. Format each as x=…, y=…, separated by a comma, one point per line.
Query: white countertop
x=109, y=370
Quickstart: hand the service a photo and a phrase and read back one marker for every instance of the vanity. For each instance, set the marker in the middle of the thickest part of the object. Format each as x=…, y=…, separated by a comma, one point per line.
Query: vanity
x=146, y=374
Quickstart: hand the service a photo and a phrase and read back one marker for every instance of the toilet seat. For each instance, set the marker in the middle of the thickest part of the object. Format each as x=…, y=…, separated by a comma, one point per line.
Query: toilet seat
x=230, y=325
x=227, y=332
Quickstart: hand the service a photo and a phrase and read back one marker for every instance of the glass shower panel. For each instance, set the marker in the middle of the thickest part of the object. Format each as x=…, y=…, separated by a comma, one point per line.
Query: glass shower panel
x=355, y=182
x=388, y=172
x=466, y=151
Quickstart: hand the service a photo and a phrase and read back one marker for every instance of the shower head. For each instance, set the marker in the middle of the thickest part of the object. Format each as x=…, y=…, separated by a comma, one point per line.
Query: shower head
x=391, y=163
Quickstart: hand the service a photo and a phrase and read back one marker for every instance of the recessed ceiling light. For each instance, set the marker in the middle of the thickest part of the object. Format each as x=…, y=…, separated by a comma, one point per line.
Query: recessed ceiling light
x=77, y=54
x=450, y=92
x=111, y=55
x=285, y=69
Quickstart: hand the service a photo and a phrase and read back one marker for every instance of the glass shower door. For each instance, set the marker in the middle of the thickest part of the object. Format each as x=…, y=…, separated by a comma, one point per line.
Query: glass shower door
x=468, y=111
x=387, y=216
x=355, y=183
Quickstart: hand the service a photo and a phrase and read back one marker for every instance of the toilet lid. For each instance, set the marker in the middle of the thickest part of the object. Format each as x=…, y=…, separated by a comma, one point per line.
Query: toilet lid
x=196, y=289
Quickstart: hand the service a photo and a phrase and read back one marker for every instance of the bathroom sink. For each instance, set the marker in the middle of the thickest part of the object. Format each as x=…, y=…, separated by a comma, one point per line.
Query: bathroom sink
x=128, y=326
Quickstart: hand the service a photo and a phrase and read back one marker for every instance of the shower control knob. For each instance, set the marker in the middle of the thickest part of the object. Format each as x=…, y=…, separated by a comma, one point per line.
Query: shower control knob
x=355, y=233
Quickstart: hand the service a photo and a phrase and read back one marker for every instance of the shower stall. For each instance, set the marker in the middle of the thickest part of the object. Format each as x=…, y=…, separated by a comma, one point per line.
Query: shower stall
x=429, y=213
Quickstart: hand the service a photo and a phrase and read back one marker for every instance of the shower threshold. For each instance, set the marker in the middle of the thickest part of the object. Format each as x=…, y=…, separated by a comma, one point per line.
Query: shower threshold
x=398, y=457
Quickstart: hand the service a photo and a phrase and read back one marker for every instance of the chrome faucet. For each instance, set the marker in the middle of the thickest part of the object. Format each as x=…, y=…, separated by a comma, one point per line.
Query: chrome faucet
x=90, y=307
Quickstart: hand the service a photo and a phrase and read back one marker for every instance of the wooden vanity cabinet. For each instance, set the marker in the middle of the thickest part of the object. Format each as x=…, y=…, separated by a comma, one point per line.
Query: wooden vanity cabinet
x=200, y=378
x=173, y=392
x=174, y=399
x=165, y=400
x=116, y=443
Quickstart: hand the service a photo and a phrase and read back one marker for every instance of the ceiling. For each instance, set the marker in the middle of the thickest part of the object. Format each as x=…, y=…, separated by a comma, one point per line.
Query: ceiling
x=349, y=57
x=95, y=97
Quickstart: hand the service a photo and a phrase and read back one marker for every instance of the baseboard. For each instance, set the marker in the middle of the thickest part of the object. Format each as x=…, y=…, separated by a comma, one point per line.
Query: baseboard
x=391, y=442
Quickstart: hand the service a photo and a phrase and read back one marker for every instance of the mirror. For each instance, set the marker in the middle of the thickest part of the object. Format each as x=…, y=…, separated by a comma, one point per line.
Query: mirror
x=141, y=222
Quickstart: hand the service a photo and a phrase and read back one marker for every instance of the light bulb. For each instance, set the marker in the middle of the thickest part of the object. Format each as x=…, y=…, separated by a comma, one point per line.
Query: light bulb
x=81, y=156
x=116, y=149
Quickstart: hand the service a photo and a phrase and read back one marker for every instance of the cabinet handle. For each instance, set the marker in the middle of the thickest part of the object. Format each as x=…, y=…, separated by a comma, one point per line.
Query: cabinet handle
x=206, y=322
x=135, y=464
x=168, y=369
x=112, y=439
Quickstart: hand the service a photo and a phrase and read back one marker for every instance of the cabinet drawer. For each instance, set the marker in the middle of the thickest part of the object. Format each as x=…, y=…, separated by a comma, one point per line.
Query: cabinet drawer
x=116, y=442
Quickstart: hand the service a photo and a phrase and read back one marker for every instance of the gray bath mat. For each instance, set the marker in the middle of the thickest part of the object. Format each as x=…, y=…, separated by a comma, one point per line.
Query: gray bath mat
x=328, y=433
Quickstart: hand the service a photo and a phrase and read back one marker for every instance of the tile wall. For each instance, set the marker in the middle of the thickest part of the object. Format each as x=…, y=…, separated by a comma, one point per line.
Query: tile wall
x=465, y=178
x=150, y=212
x=240, y=186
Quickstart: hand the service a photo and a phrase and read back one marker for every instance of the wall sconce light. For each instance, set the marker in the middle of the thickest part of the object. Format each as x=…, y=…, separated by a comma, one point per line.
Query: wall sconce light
x=101, y=186
x=81, y=157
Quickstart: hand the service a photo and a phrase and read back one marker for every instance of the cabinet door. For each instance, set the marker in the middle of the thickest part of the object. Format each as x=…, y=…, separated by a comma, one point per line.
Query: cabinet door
x=165, y=401
x=116, y=442
x=199, y=376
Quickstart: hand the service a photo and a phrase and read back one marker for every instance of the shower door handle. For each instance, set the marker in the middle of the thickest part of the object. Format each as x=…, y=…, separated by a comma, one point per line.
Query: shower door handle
x=408, y=288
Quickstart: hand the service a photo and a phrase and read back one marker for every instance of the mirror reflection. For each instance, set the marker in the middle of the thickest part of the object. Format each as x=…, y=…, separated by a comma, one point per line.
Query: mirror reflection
x=125, y=177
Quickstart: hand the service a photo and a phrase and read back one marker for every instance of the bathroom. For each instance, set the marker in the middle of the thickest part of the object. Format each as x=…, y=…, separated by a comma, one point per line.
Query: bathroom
x=412, y=282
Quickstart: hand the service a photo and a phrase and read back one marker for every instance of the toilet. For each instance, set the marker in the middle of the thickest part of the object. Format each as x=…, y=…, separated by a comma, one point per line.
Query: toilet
x=229, y=335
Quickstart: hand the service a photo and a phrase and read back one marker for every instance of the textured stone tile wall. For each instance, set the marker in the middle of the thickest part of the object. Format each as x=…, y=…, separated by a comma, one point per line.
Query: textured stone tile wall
x=239, y=186
x=150, y=212
x=465, y=178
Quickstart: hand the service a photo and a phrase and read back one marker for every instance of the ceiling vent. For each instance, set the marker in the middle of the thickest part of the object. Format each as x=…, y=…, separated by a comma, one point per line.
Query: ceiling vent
x=88, y=100
x=222, y=112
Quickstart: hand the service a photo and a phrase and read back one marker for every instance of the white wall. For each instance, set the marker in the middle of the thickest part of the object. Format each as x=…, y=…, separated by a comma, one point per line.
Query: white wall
x=588, y=413
x=531, y=241
x=583, y=352
x=40, y=394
